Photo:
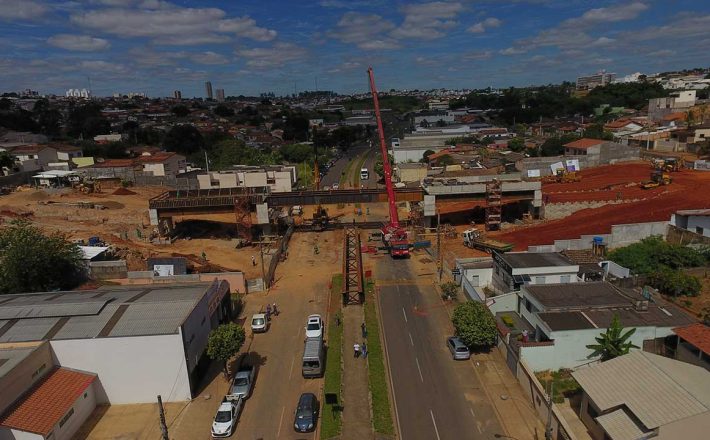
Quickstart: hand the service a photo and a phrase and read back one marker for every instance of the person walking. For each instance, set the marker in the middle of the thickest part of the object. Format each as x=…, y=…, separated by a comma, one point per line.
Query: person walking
x=253, y=260
x=356, y=350
x=363, y=330
x=268, y=311
x=364, y=350
x=274, y=310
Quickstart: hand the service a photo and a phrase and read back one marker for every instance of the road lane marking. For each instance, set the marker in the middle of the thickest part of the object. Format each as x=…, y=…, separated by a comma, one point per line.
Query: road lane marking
x=389, y=368
x=434, y=422
x=405, y=315
x=420, y=370
x=281, y=422
x=290, y=374
x=411, y=340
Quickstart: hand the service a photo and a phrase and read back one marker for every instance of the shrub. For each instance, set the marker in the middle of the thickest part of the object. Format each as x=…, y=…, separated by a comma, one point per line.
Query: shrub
x=675, y=282
x=474, y=324
x=508, y=321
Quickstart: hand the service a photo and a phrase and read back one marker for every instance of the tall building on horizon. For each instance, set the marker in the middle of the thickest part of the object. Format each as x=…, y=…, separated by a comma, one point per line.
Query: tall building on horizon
x=599, y=79
x=177, y=94
x=208, y=90
x=220, y=95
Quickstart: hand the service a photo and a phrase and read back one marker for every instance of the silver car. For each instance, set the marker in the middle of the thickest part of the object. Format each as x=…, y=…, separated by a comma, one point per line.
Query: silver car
x=458, y=349
x=242, y=383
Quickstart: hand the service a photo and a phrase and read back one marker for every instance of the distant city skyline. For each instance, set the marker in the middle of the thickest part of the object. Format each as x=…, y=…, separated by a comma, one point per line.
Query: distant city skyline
x=250, y=47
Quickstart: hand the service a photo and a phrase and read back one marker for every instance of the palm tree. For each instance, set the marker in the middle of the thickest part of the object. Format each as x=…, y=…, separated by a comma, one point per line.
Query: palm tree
x=612, y=343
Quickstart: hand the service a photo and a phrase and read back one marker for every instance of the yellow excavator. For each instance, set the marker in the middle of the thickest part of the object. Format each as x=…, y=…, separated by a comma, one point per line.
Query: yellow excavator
x=658, y=178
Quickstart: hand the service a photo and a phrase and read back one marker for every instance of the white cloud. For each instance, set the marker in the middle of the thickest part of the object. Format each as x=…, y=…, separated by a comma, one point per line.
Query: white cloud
x=512, y=51
x=348, y=65
x=209, y=57
x=610, y=14
x=21, y=10
x=366, y=31
x=274, y=56
x=427, y=21
x=482, y=26
x=477, y=56
x=103, y=66
x=82, y=43
x=169, y=24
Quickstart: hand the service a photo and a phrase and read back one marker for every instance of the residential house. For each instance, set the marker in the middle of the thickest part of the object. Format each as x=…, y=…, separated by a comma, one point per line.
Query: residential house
x=562, y=319
x=106, y=138
x=622, y=125
x=41, y=400
x=680, y=101
x=693, y=220
x=599, y=152
x=67, y=153
x=511, y=270
x=410, y=172
x=693, y=345
x=642, y=395
x=162, y=163
x=33, y=157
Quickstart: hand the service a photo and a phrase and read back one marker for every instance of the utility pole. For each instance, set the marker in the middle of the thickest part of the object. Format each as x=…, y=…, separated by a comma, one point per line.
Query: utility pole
x=163, y=426
x=261, y=252
x=207, y=163
x=548, y=426
x=439, y=262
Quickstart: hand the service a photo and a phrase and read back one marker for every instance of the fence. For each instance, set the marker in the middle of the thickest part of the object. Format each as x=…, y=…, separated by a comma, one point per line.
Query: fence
x=16, y=179
x=282, y=247
x=533, y=389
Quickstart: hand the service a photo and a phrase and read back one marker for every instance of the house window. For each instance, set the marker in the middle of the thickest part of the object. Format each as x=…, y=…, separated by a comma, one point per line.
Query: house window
x=699, y=230
x=540, y=280
x=565, y=279
x=39, y=371
x=66, y=418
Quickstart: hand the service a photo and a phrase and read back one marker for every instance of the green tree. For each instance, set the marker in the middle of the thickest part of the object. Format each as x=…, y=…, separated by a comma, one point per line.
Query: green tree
x=31, y=261
x=180, y=111
x=474, y=324
x=6, y=160
x=516, y=144
x=612, y=343
x=85, y=120
x=449, y=290
x=425, y=156
x=223, y=111
x=48, y=118
x=652, y=253
x=379, y=167
x=675, y=282
x=224, y=342
x=184, y=139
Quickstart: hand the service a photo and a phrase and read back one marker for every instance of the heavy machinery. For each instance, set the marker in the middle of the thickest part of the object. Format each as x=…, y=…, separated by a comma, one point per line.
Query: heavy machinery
x=394, y=236
x=668, y=164
x=475, y=239
x=658, y=178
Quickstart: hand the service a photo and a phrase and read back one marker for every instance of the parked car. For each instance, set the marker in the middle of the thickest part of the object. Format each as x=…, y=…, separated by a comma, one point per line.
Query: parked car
x=314, y=327
x=458, y=349
x=259, y=323
x=306, y=414
x=226, y=418
x=242, y=383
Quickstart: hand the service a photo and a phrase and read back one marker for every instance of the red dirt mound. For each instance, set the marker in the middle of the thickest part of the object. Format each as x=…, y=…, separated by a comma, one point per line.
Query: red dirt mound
x=123, y=192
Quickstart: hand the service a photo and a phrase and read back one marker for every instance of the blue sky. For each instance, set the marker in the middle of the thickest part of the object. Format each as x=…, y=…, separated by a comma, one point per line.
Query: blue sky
x=247, y=46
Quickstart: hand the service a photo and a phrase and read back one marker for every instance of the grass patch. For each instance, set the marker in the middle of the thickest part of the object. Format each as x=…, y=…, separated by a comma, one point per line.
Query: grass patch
x=565, y=385
x=331, y=422
x=346, y=174
x=382, y=417
x=360, y=163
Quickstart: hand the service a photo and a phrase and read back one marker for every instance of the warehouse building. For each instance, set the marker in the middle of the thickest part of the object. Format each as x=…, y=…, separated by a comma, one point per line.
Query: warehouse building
x=139, y=341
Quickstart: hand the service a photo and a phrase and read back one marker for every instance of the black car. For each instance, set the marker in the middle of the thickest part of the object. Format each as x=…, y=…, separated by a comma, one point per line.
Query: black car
x=306, y=413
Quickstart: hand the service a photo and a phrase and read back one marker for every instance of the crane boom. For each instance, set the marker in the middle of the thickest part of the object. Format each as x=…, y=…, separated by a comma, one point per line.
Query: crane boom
x=394, y=217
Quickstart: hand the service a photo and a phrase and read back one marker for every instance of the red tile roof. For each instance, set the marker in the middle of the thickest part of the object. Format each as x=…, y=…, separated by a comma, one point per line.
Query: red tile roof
x=584, y=143
x=696, y=334
x=47, y=402
x=115, y=163
x=156, y=157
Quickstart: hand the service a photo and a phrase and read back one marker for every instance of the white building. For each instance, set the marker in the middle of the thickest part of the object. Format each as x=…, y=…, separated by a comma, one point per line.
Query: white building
x=140, y=341
x=562, y=319
x=277, y=178
x=694, y=220
x=512, y=270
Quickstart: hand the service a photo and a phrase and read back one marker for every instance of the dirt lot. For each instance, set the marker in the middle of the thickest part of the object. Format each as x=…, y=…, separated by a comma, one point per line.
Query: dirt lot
x=603, y=183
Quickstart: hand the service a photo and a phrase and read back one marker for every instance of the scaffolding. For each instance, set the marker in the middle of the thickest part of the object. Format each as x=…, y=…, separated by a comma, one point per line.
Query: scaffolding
x=353, y=289
x=494, y=196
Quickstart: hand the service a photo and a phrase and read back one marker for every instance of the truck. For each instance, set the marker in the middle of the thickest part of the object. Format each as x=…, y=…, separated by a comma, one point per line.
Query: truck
x=313, y=358
x=474, y=239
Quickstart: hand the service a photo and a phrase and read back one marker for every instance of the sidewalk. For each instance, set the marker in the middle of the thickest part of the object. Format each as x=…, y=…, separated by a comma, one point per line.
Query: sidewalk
x=356, y=394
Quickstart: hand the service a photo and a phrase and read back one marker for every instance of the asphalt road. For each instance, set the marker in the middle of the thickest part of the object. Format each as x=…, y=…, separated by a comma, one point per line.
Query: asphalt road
x=354, y=155
x=436, y=398
x=269, y=412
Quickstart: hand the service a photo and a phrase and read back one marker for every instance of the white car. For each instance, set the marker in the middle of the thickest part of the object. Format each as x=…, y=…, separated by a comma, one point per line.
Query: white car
x=259, y=323
x=314, y=327
x=226, y=418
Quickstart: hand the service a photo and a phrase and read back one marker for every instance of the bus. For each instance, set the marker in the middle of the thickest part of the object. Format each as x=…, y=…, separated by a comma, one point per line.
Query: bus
x=364, y=174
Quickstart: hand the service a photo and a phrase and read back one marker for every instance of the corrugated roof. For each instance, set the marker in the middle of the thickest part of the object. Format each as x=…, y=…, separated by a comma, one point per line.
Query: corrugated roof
x=577, y=295
x=144, y=310
x=46, y=403
x=620, y=426
x=655, y=389
x=518, y=260
x=696, y=334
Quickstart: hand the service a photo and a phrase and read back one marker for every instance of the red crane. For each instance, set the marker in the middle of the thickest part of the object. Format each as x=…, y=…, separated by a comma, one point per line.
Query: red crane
x=393, y=235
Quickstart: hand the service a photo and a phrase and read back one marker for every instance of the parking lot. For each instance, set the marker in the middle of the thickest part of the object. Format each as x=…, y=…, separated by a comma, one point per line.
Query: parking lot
x=301, y=289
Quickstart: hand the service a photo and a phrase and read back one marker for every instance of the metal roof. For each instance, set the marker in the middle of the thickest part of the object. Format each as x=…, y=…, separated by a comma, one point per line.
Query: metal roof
x=519, y=260
x=116, y=311
x=11, y=355
x=620, y=426
x=577, y=295
x=558, y=321
x=656, y=390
